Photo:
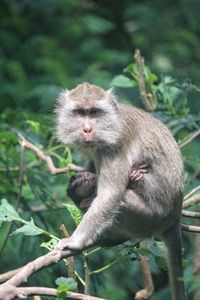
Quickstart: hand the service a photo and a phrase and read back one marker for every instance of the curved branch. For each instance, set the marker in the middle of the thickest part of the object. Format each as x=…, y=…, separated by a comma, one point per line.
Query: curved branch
x=50, y=164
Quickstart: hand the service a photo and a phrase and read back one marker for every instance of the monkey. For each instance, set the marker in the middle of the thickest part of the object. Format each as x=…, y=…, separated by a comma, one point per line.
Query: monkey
x=82, y=186
x=115, y=137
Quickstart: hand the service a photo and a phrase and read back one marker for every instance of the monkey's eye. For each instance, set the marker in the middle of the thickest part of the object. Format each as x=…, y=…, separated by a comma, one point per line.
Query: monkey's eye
x=80, y=112
x=94, y=111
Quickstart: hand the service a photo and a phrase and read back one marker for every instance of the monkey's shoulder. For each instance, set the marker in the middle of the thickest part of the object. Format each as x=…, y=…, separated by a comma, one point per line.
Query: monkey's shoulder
x=142, y=121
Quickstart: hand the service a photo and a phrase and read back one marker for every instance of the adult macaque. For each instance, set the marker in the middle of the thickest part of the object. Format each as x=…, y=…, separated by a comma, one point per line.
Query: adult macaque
x=115, y=138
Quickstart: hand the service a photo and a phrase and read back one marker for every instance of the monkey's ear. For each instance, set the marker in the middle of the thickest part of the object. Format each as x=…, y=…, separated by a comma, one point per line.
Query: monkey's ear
x=63, y=97
x=111, y=98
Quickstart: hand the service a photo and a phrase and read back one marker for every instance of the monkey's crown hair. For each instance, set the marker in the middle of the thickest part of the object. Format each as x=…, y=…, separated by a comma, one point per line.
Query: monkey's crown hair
x=88, y=91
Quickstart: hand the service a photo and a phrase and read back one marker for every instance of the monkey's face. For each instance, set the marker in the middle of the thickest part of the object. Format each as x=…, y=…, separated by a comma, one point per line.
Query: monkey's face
x=86, y=122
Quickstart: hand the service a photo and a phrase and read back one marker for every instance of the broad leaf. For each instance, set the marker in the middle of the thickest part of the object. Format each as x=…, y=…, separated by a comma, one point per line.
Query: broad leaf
x=28, y=229
x=8, y=213
x=123, y=81
x=70, y=283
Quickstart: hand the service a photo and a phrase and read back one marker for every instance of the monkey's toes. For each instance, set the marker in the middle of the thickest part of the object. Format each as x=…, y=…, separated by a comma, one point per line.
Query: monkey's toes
x=143, y=294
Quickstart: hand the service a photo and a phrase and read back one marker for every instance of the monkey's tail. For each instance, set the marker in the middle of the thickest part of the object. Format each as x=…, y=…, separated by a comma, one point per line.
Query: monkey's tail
x=173, y=241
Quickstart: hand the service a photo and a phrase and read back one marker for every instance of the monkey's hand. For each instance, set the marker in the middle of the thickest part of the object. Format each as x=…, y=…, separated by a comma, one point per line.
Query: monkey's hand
x=137, y=173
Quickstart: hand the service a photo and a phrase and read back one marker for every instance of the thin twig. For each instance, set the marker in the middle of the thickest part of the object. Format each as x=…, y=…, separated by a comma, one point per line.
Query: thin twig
x=195, y=199
x=148, y=97
x=189, y=138
x=196, y=189
x=190, y=214
x=190, y=228
x=70, y=260
x=87, y=275
x=50, y=164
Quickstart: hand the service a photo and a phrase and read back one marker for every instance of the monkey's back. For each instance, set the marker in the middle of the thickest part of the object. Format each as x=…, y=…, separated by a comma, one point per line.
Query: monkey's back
x=150, y=142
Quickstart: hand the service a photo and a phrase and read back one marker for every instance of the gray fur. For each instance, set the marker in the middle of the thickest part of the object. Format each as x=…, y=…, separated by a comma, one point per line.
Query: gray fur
x=124, y=137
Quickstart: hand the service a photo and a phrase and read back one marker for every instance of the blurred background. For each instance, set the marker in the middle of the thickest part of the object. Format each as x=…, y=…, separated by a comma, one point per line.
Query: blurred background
x=48, y=45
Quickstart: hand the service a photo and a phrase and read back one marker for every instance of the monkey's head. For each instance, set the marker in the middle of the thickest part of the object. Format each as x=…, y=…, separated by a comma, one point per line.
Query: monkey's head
x=87, y=116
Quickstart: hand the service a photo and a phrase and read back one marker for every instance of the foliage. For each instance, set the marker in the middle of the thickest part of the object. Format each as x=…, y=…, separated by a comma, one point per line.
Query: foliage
x=48, y=45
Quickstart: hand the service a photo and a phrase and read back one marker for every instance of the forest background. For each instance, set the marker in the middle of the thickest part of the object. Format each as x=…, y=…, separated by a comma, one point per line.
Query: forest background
x=48, y=45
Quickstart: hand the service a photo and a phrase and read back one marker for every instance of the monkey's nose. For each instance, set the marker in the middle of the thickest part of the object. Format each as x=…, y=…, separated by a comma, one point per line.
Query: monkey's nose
x=87, y=129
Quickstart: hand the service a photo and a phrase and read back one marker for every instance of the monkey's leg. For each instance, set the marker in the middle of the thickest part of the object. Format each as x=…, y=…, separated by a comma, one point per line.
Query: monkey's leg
x=148, y=290
x=173, y=242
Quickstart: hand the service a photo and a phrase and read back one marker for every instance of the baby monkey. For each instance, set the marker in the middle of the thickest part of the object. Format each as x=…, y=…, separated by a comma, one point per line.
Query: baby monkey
x=117, y=139
x=82, y=186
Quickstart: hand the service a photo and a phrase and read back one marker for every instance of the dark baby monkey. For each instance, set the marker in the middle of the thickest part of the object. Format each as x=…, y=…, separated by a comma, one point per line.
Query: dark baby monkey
x=117, y=138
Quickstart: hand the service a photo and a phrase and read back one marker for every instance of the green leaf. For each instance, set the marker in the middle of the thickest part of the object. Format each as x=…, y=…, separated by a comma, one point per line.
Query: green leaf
x=75, y=213
x=35, y=125
x=70, y=283
x=28, y=229
x=123, y=81
x=50, y=245
x=61, y=292
x=96, y=24
x=8, y=137
x=8, y=213
x=156, y=248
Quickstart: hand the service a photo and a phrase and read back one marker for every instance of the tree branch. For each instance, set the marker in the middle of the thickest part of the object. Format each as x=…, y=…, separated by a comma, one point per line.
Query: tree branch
x=148, y=97
x=189, y=138
x=24, y=292
x=190, y=228
x=196, y=189
x=10, y=289
x=50, y=164
x=190, y=214
x=191, y=201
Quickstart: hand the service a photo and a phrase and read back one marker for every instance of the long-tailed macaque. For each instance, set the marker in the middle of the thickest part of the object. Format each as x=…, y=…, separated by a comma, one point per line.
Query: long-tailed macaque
x=117, y=138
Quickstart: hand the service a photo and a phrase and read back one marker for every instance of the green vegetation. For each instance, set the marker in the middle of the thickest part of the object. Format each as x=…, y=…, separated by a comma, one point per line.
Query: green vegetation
x=49, y=45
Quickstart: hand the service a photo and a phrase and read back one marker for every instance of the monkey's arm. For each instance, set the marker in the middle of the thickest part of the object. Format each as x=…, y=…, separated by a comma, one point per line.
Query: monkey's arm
x=111, y=188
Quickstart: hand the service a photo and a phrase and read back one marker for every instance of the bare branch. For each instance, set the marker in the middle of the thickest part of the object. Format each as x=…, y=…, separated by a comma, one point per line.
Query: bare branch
x=50, y=164
x=9, y=290
x=190, y=228
x=24, y=292
x=190, y=214
x=70, y=260
x=192, y=192
x=5, y=276
x=191, y=201
x=148, y=97
x=189, y=138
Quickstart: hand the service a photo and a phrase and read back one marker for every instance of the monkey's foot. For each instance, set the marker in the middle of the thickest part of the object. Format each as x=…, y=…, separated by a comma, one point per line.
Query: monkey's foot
x=143, y=294
x=137, y=174
x=66, y=244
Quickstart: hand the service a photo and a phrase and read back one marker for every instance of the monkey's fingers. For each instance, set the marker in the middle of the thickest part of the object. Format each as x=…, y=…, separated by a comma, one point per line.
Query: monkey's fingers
x=136, y=175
